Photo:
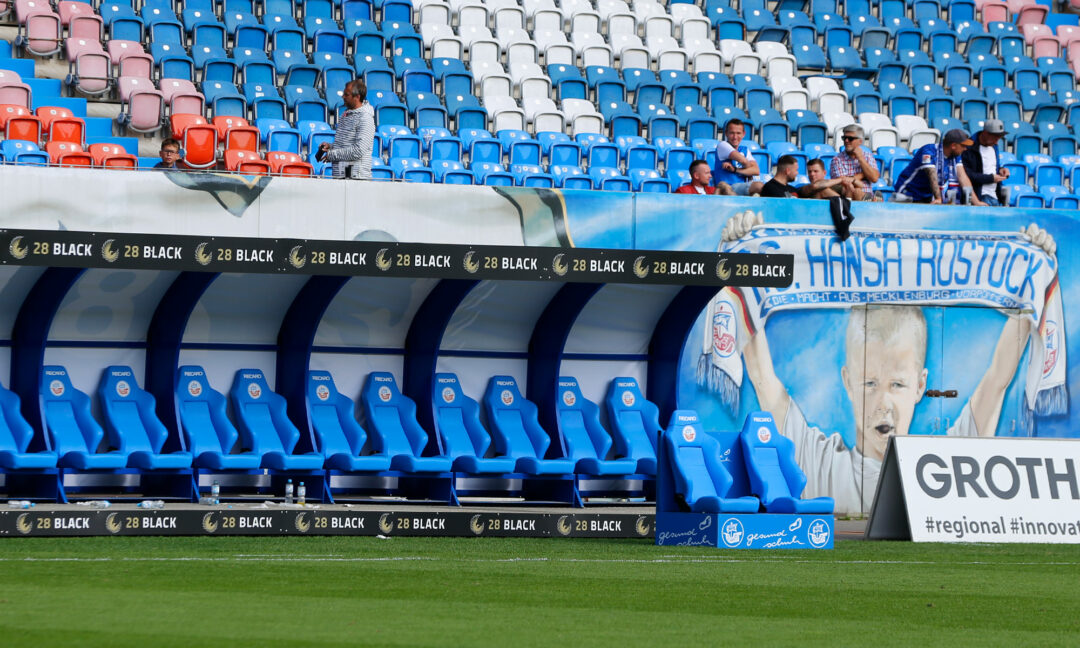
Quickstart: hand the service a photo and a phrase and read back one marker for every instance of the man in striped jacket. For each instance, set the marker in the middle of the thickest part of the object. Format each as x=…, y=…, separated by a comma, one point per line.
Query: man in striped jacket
x=351, y=150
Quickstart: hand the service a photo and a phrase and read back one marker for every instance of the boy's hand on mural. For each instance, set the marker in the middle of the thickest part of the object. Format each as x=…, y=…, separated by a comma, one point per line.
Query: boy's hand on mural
x=740, y=225
x=1040, y=237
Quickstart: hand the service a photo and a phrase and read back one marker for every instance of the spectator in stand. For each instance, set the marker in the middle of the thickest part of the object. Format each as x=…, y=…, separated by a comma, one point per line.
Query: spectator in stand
x=822, y=187
x=700, y=180
x=735, y=166
x=931, y=168
x=982, y=164
x=170, y=155
x=853, y=162
x=351, y=150
x=787, y=169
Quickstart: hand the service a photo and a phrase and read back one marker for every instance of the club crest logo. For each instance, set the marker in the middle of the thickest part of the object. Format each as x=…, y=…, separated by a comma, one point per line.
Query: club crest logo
x=1050, y=357
x=384, y=394
x=764, y=434
x=507, y=397
x=688, y=433
x=447, y=395
x=254, y=390
x=818, y=533
x=123, y=389
x=194, y=388
x=723, y=330
x=628, y=399
x=732, y=532
x=322, y=392
x=568, y=398
x=57, y=388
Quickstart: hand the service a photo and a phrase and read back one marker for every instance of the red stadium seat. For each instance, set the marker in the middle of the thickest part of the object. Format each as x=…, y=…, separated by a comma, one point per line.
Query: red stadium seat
x=111, y=156
x=200, y=145
x=246, y=162
x=59, y=125
x=287, y=163
x=179, y=123
x=18, y=123
x=68, y=154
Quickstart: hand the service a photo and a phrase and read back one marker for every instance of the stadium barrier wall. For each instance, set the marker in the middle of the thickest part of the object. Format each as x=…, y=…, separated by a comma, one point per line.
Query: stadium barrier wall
x=987, y=339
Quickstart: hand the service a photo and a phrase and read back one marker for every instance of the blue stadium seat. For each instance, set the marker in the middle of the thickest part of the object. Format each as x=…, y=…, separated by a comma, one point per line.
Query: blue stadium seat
x=209, y=433
x=461, y=435
x=516, y=432
x=774, y=475
x=74, y=434
x=130, y=417
x=20, y=152
x=570, y=177
x=15, y=437
x=702, y=481
x=635, y=423
x=584, y=439
x=260, y=414
x=391, y=418
x=339, y=436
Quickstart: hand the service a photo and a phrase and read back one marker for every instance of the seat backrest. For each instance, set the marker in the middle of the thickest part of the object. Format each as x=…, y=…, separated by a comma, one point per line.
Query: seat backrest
x=579, y=423
x=332, y=417
x=391, y=416
x=262, y=413
x=515, y=428
x=15, y=432
x=634, y=421
x=67, y=413
x=129, y=411
x=457, y=419
x=203, y=419
x=770, y=459
x=694, y=458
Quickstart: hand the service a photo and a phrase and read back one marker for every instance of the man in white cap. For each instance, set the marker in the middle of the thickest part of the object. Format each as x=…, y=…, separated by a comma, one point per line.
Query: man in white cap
x=931, y=169
x=982, y=164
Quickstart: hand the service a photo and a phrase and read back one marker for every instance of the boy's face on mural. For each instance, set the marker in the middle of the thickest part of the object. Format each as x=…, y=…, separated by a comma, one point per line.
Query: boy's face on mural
x=883, y=383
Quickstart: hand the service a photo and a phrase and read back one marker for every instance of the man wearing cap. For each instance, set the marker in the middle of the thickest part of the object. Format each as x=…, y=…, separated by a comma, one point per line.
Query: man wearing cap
x=982, y=164
x=931, y=168
x=853, y=162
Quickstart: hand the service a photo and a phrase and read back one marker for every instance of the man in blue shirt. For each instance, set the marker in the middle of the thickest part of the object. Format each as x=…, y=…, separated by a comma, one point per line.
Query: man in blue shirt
x=735, y=165
x=932, y=168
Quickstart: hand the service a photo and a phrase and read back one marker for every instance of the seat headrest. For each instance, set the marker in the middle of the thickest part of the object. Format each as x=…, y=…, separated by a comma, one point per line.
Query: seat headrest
x=570, y=394
x=320, y=387
x=118, y=383
x=191, y=383
x=759, y=431
x=626, y=393
x=55, y=383
x=253, y=387
x=685, y=429
x=381, y=388
x=447, y=390
x=504, y=392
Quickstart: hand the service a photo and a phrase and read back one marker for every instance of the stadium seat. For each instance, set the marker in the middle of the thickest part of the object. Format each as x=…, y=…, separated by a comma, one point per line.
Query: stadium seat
x=635, y=423
x=209, y=434
x=770, y=464
x=459, y=431
x=702, y=481
x=391, y=418
x=339, y=435
x=130, y=417
x=584, y=439
x=15, y=437
x=516, y=431
x=72, y=430
x=260, y=414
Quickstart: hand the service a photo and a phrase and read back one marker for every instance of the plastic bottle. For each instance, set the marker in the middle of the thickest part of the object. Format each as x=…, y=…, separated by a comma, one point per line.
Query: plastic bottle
x=215, y=490
x=20, y=504
x=151, y=504
x=288, y=492
x=98, y=504
x=209, y=501
x=301, y=494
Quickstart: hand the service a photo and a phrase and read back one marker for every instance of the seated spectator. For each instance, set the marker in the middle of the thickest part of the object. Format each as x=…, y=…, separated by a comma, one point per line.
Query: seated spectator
x=931, y=168
x=982, y=164
x=787, y=169
x=170, y=155
x=735, y=166
x=700, y=180
x=822, y=187
x=853, y=162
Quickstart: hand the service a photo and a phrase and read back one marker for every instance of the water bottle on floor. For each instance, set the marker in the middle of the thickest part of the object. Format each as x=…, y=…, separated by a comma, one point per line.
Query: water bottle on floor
x=151, y=504
x=288, y=492
x=301, y=494
x=20, y=504
x=209, y=501
x=98, y=504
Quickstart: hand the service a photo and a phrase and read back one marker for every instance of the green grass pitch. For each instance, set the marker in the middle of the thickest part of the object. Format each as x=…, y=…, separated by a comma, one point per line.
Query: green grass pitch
x=514, y=592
